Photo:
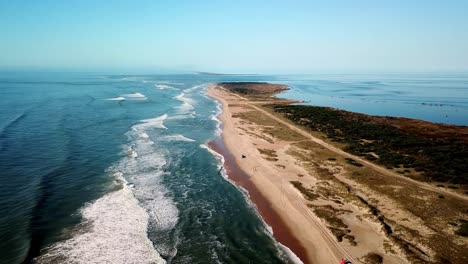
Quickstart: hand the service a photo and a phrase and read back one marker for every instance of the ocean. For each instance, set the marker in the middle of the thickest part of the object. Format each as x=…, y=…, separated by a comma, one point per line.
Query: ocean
x=99, y=167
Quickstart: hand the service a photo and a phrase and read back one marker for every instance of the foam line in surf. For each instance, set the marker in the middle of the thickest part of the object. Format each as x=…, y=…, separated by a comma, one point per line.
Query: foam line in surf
x=183, y=116
x=187, y=103
x=177, y=137
x=164, y=86
x=215, y=117
x=115, y=233
x=157, y=122
x=193, y=88
x=283, y=251
x=170, y=83
x=145, y=174
x=120, y=98
x=134, y=96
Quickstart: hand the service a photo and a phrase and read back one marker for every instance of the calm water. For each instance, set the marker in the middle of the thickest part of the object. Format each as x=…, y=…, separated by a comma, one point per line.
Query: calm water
x=120, y=162
x=434, y=98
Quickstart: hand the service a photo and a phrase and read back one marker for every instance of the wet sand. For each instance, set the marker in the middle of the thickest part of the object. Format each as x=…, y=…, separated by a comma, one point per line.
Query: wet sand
x=281, y=231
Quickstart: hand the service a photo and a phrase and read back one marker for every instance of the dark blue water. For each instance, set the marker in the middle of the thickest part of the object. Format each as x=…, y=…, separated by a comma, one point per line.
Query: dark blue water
x=97, y=168
x=90, y=162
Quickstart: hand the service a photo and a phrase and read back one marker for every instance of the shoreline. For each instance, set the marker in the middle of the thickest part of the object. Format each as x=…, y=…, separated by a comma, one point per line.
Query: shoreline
x=280, y=206
x=281, y=231
x=328, y=198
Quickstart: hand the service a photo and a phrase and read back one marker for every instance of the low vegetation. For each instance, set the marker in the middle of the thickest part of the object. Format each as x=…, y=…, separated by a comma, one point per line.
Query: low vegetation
x=441, y=159
x=372, y=258
x=463, y=229
x=308, y=193
x=253, y=88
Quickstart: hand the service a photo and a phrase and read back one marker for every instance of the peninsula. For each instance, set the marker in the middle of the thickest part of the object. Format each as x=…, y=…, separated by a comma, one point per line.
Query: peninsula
x=334, y=184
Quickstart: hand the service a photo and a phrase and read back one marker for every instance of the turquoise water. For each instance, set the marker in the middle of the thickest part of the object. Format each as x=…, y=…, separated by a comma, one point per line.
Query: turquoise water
x=116, y=167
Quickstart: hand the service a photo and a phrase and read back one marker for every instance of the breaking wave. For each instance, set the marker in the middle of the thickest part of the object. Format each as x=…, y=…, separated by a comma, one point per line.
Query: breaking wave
x=177, y=137
x=115, y=226
x=144, y=172
x=170, y=83
x=120, y=98
x=163, y=86
x=115, y=232
x=183, y=116
x=215, y=117
x=157, y=122
x=193, y=88
x=134, y=96
x=187, y=103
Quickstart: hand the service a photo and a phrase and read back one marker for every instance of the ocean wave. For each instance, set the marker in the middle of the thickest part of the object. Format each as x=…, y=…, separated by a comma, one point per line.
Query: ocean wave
x=164, y=86
x=170, y=83
x=115, y=227
x=183, y=116
x=215, y=117
x=193, y=88
x=187, y=103
x=289, y=254
x=177, y=137
x=135, y=96
x=120, y=98
x=145, y=174
x=130, y=78
x=220, y=159
x=115, y=232
x=157, y=122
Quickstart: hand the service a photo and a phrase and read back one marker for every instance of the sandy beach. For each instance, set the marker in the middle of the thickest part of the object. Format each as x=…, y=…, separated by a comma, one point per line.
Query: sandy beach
x=282, y=197
x=306, y=192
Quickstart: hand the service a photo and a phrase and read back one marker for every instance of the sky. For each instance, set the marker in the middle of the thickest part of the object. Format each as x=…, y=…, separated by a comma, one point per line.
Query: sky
x=235, y=36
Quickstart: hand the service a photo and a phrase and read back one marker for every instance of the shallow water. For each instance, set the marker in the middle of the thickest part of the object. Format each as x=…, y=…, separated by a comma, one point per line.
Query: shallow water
x=119, y=162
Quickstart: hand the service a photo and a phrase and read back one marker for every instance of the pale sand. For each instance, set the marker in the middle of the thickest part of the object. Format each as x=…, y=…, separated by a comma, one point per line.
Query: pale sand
x=273, y=183
x=342, y=191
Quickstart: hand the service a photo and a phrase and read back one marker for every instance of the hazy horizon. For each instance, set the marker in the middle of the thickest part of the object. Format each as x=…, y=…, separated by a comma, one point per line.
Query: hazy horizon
x=241, y=37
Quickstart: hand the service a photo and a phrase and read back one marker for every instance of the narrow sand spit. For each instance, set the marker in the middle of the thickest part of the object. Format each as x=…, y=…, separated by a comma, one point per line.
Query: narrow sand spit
x=318, y=241
x=331, y=209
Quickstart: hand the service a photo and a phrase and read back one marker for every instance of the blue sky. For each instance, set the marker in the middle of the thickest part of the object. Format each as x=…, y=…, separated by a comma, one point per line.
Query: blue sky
x=235, y=36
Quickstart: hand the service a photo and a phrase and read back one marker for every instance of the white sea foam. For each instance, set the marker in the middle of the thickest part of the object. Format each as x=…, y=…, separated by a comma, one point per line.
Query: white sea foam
x=187, y=103
x=120, y=98
x=145, y=173
x=139, y=96
x=133, y=153
x=215, y=117
x=170, y=83
x=193, y=88
x=269, y=230
x=115, y=226
x=183, y=116
x=164, y=86
x=293, y=257
x=157, y=122
x=220, y=159
x=177, y=137
x=115, y=232
x=128, y=79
